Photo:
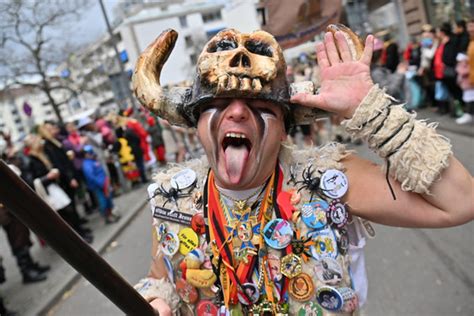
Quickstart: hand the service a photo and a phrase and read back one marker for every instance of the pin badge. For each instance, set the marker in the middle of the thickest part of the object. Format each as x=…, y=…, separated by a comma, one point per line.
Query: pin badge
x=342, y=240
x=188, y=240
x=251, y=290
x=170, y=244
x=278, y=233
x=183, y=179
x=206, y=308
x=274, y=265
x=301, y=287
x=325, y=244
x=329, y=298
x=291, y=265
x=186, y=291
x=328, y=271
x=334, y=183
x=338, y=213
x=310, y=309
x=198, y=224
x=314, y=214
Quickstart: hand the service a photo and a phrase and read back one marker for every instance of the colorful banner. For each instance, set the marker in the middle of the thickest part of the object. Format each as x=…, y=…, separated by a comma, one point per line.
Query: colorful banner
x=297, y=21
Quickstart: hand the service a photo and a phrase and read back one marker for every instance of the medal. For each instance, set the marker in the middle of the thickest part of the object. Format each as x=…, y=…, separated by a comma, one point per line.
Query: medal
x=334, y=183
x=278, y=233
x=291, y=265
x=301, y=287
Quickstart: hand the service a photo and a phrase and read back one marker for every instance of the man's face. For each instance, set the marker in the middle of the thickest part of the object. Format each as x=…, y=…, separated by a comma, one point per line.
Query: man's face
x=241, y=138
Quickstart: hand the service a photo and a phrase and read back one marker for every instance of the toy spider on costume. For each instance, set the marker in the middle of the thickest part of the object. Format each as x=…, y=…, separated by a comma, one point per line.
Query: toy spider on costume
x=309, y=182
x=173, y=194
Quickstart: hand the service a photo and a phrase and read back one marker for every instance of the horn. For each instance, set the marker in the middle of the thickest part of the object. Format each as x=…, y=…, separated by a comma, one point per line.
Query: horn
x=354, y=42
x=165, y=103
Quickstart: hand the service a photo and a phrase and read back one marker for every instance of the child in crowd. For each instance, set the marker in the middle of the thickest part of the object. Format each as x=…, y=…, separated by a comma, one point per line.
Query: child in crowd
x=98, y=182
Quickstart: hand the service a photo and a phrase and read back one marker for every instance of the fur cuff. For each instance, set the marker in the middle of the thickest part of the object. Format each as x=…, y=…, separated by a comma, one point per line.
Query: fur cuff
x=415, y=153
x=151, y=288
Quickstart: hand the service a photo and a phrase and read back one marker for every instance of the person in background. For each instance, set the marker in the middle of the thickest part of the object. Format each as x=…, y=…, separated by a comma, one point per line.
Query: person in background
x=40, y=167
x=445, y=63
x=462, y=36
x=99, y=183
x=412, y=56
x=390, y=57
x=157, y=143
x=428, y=48
x=392, y=82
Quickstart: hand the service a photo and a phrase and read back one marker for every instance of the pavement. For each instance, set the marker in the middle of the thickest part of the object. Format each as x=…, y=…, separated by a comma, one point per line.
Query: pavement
x=37, y=298
x=446, y=122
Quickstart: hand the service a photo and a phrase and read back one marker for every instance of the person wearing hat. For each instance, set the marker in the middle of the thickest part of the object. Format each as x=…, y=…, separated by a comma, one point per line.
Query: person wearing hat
x=251, y=181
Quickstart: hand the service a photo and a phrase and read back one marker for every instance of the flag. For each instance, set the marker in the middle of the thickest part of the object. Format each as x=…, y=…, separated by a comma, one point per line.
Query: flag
x=27, y=109
x=297, y=21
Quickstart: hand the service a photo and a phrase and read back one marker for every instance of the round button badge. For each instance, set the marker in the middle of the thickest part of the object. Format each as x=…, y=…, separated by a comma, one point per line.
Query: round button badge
x=188, y=240
x=198, y=224
x=310, y=309
x=334, y=183
x=328, y=271
x=325, y=244
x=206, y=308
x=183, y=179
x=329, y=298
x=186, y=291
x=170, y=244
x=338, y=213
x=314, y=214
x=251, y=292
x=278, y=233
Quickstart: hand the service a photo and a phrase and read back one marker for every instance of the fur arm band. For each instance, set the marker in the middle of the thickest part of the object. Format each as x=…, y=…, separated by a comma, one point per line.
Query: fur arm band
x=416, y=154
x=151, y=288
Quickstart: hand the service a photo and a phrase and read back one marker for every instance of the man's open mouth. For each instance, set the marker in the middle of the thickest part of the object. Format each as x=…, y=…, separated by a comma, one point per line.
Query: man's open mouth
x=236, y=147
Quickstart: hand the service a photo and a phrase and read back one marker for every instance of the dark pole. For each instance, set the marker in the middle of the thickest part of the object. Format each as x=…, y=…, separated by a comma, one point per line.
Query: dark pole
x=29, y=208
x=124, y=80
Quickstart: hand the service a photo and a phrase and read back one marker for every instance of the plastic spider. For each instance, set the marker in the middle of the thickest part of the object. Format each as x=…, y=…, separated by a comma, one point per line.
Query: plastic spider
x=309, y=182
x=173, y=194
x=292, y=175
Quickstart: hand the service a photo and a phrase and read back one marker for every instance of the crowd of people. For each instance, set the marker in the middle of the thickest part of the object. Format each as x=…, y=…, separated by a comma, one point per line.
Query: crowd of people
x=79, y=167
x=434, y=71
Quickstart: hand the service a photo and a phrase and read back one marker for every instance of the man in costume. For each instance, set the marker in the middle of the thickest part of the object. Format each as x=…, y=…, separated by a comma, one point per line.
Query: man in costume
x=259, y=228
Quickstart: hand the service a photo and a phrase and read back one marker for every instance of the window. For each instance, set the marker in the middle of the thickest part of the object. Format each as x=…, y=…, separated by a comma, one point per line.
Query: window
x=261, y=13
x=183, y=21
x=188, y=39
x=211, y=16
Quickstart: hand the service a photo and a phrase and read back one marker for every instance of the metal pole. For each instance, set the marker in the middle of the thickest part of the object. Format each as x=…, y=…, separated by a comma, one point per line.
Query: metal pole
x=117, y=56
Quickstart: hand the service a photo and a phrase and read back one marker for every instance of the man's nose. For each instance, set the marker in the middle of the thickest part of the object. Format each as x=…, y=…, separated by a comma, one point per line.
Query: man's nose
x=237, y=111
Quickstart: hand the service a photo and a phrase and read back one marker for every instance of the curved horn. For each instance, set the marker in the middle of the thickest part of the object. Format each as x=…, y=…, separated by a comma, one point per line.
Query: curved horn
x=146, y=80
x=353, y=40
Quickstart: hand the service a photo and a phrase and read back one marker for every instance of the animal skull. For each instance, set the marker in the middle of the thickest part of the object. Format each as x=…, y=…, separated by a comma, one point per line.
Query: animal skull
x=237, y=61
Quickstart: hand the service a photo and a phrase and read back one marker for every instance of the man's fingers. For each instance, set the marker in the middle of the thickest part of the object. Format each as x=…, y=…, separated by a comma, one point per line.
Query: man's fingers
x=310, y=100
x=323, y=61
x=331, y=49
x=368, y=50
x=161, y=307
x=343, y=46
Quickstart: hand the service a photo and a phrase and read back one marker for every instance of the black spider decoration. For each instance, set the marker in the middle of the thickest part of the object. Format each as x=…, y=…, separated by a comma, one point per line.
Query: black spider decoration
x=309, y=182
x=173, y=194
x=292, y=175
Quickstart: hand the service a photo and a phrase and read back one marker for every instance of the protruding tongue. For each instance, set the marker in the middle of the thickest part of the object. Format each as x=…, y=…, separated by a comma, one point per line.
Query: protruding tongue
x=235, y=159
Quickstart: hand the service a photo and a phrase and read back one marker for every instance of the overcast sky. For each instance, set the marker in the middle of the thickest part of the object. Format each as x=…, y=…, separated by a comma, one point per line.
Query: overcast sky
x=92, y=24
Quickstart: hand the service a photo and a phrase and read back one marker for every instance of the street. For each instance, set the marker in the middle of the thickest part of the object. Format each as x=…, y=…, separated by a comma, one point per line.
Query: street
x=411, y=272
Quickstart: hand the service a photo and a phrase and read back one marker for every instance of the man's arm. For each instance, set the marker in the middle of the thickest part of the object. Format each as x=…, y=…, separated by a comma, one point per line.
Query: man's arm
x=450, y=203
